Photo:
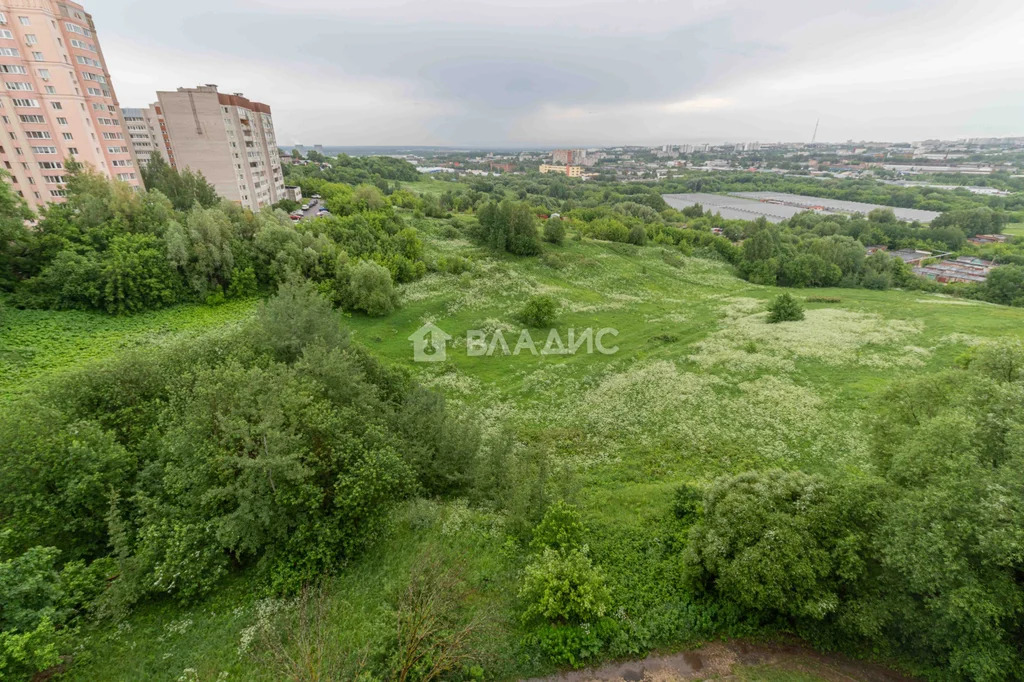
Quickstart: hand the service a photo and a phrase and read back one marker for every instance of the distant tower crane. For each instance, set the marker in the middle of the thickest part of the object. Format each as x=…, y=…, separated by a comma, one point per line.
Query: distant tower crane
x=815, y=135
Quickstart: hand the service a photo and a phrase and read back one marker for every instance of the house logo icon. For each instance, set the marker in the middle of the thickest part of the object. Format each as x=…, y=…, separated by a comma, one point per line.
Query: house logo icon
x=430, y=344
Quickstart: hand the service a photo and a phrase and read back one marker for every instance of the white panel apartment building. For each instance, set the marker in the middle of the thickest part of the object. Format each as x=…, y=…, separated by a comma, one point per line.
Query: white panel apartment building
x=228, y=138
x=143, y=128
x=56, y=100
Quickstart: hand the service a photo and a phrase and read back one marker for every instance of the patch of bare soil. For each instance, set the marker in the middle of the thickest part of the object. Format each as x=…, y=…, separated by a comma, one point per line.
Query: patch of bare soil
x=717, y=661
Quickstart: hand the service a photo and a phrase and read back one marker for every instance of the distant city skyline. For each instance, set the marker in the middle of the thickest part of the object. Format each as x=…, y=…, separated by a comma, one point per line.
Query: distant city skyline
x=584, y=73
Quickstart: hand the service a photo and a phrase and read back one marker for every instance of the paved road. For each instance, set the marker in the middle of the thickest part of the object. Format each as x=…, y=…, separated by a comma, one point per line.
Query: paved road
x=311, y=213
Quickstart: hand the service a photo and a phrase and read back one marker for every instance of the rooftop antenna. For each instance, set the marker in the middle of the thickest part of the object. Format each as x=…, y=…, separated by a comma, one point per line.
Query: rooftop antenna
x=815, y=135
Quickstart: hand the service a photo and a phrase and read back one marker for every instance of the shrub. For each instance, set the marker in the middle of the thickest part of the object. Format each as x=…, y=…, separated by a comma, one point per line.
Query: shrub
x=687, y=504
x=637, y=235
x=540, y=311
x=573, y=645
x=824, y=299
x=554, y=231
x=564, y=588
x=297, y=317
x=785, y=308
x=561, y=529
x=371, y=289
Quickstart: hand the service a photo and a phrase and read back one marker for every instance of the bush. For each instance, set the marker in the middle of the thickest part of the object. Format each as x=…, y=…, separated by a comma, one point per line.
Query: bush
x=540, y=311
x=785, y=308
x=297, y=317
x=824, y=299
x=561, y=529
x=554, y=231
x=371, y=289
x=564, y=588
x=637, y=235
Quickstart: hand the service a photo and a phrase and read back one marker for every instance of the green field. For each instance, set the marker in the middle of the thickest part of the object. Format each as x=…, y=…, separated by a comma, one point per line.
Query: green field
x=37, y=343
x=700, y=386
x=1016, y=229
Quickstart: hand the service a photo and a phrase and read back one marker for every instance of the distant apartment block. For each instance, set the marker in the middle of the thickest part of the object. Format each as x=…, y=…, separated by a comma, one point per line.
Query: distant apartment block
x=571, y=171
x=568, y=157
x=57, y=101
x=228, y=138
x=144, y=130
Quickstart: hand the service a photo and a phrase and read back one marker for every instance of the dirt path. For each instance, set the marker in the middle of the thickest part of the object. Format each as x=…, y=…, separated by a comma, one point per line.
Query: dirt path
x=723, y=660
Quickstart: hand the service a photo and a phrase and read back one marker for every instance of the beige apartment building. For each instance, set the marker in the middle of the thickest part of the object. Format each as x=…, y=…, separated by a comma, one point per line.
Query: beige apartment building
x=56, y=100
x=228, y=138
x=571, y=171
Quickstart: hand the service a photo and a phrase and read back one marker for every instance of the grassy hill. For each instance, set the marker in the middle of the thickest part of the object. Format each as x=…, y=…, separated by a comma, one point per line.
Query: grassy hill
x=700, y=385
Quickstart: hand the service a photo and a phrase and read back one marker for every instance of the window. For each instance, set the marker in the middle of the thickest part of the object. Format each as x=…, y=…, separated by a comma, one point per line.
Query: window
x=107, y=121
x=54, y=179
x=19, y=86
x=95, y=91
x=32, y=118
x=37, y=134
x=12, y=68
x=58, y=193
x=56, y=105
x=39, y=56
x=75, y=28
x=44, y=150
x=50, y=90
x=73, y=150
x=51, y=165
x=126, y=176
x=9, y=52
x=121, y=163
x=5, y=33
x=44, y=74
x=88, y=61
x=30, y=39
x=75, y=42
x=61, y=120
x=26, y=103
x=68, y=136
x=3, y=18
x=24, y=21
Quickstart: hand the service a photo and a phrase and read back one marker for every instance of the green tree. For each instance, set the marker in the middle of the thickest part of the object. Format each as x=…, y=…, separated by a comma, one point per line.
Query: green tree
x=184, y=189
x=371, y=289
x=785, y=308
x=554, y=231
x=540, y=311
x=135, y=275
x=1005, y=285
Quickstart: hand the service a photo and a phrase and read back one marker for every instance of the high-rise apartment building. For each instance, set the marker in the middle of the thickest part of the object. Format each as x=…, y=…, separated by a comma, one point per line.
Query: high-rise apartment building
x=143, y=127
x=228, y=138
x=56, y=100
x=568, y=157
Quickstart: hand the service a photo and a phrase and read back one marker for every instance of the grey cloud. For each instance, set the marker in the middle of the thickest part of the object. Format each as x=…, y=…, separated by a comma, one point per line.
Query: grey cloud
x=491, y=67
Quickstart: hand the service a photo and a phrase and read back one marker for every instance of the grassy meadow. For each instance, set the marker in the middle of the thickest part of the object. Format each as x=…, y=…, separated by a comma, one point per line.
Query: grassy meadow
x=1015, y=229
x=700, y=386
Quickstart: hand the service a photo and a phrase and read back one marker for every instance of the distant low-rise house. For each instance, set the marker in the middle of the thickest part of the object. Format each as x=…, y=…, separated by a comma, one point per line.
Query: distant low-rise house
x=964, y=269
x=982, y=239
x=911, y=256
x=292, y=192
x=875, y=249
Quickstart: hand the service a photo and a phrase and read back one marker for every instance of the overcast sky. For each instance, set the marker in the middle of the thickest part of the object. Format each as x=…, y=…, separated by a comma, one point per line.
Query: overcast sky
x=584, y=72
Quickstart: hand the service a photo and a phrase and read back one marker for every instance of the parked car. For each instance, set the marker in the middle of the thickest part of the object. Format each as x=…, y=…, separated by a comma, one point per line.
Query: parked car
x=305, y=207
x=295, y=216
